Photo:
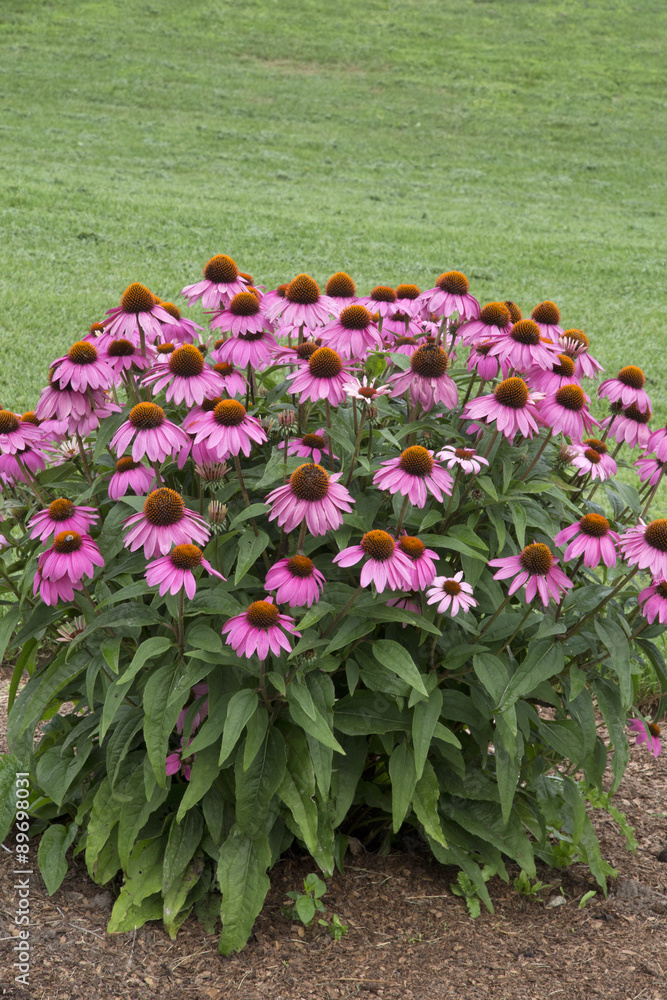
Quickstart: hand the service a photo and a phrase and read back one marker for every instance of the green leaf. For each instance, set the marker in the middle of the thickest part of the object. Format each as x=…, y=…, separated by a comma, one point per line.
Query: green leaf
x=103, y=818
x=367, y=712
x=346, y=775
x=135, y=809
x=184, y=839
x=256, y=728
x=425, y=717
x=8, y=623
x=520, y=519
x=616, y=641
x=40, y=690
x=299, y=694
x=394, y=657
x=241, y=707
x=116, y=692
x=121, y=739
x=487, y=485
x=202, y=636
x=110, y=648
x=425, y=802
x=318, y=727
x=9, y=766
x=51, y=853
x=26, y=660
x=614, y=715
x=250, y=548
x=244, y=885
x=545, y=658
x=143, y=878
x=205, y=769
x=254, y=510
x=492, y=672
x=160, y=715
x=256, y=787
x=56, y=770
x=297, y=789
x=403, y=780
x=177, y=903
x=304, y=907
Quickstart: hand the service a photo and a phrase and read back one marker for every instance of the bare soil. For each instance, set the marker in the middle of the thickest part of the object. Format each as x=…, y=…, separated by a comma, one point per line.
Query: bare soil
x=409, y=936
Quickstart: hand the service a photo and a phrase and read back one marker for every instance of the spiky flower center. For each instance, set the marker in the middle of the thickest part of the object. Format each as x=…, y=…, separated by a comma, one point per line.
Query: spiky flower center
x=186, y=556
x=229, y=413
x=546, y=312
x=281, y=291
x=367, y=391
x=173, y=310
x=126, y=465
x=512, y=392
x=430, y=361
x=599, y=446
x=137, y=299
x=383, y=293
x=209, y=405
x=314, y=441
x=594, y=525
x=453, y=282
x=632, y=413
x=30, y=418
x=654, y=730
x=577, y=335
x=61, y=509
x=164, y=507
x=515, y=313
x=355, y=317
x=9, y=422
x=120, y=348
x=378, y=545
x=571, y=397
x=402, y=341
x=526, y=332
x=537, y=559
x=416, y=461
x=656, y=534
x=593, y=456
x=67, y=541
x=82, y=353
x=186, y=362
x=96, y=328
x=632, y=376
x=495, y=314
x=325, y=363
x=303, y=290
x=166, y=348
x=244, y=304
x=262, y=614
x=310, y=482
x=301, y=566
x=221, y=269
x=452, y=587
x=407, y=292
x=661, y=589
x=146, y=416
x=305, y=350
x=484, y=348
x=565, y=366
x=411, y=546
x=340, y=286
x=464, y=453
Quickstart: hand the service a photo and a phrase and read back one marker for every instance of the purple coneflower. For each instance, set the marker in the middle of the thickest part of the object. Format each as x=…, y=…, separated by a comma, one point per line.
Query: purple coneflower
x=414, y=474
x=252, y=339
x=650, y=469
x=16, y=433
x=364, y=389
x=653, y=602
x=522, y=347
x=182, y=330
x=297, y=581
x=547, y=316
x=387, y=565
x=427, y=378
x=222, y=281
x=82, y=368
x=198, y=690
x=310, y=493
x=341, y=291
x=648, y=733
x=451, y=594
x=566, y=412
x=657, y=442
x=511, y=405
x=592, y=456
x=450, y=295
x=403, y=345
x=259, y=630
x=61, y=569
x=465, y=458
x=563, y=373
x=123, y=355
x=575, y=344
x=227, y=430
x=381, y=301
x=13, y=466
x=163, y=522
x=485, y=364
x=154, y=435
x=137, y=313
x=590, y=537
x=422, y=559
x=62, y=515
x=173, y=572
x=322, y=377
x=311, y=446
x=627, y=389
x=186, y=376
x=353, y=334
x=645, y=546
x=130, y=475
x=181, y=761
x=409, y=302
x=303, y=305
x=493, y=320
x=233, y=382
x=630, y=426
x=537, y=569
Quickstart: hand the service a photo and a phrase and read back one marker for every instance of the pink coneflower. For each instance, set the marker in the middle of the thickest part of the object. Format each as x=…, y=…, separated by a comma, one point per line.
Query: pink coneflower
x=537, y=569
x=137, y=313
x=311, y=446
x=563, y=373
x=62, y=515
x=341, y=291
x=382, y=300
x=511, y=405
x=322, y=377
x=630, y=426
x=590, y=537
x=154, y=435
x=422, y=559
x=575, y=344
x=260, y=630
x=403, y=345
x=163, y=522
x=222, y=281
x=303, y=305
x=485, y=364
x=84, y=424
x=62, y=567
x=181, y=761
x=653, y=602
x=199, y=691
x=70, y=630
x=186, y=376
x=297, y=581
x=297, y=354
x=627, y=389
x=123, y=355
x=547, y=316
x=645, y=546
x=387, y=565
x=63, y=403
x=173, y=572
x=353, y=334
x=451, y=295
x=592, y=456
x=414, y=474
x=228, y=429
x=15, y=433
x=252, y=339
x=648, y=733
x=427, y=379
x=130, y=475
x=233, y=382
x=493, y=320
x=464, y=458
x=566, y=412
x=81, y=368
x=182, y=330
x=13, y=466
x=657, y=442
x=522, y=347
x=401, y=324
x=650, y=469
x=451, y=594
x=365, y=389
x=310, y=493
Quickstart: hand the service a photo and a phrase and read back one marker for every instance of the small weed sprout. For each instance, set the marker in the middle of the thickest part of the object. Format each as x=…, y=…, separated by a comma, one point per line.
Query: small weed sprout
x=305, y=905
x=532, y=891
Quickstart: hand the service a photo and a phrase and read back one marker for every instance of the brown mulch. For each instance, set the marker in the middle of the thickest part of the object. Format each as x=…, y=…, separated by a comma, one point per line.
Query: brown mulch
x=409, y=936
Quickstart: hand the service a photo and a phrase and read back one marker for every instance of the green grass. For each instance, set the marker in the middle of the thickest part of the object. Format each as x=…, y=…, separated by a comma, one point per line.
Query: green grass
x=520, y=142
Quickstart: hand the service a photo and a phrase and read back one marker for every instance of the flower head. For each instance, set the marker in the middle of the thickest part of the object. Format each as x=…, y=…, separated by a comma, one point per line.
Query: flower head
x=222, y=281
x=313, y=445
x=181, y=761
x=82, y=368
x=566, y=412
x=511, y=405
x=451, y=594
x=154, y=436
x=451, y=294
x=522, y=347
x=547, y=316
x=227, y=429
x=302, y=305
x=163, y=522
x=341, y=291
x=592, y=456
x=296, y=580
x=590, y=537
x=463, y=458
x=16, y=434
x=174, y=571
x=186, y=376
x=414, y=474
x=311, y=493
x=353, y=333
x=386, y=566
x=630, y=426
x=323, y=376
x=62, y=515
x=653, y=602
x=645, y=546
x=648, y=733
x=259, y=629
x=492, y=321
x=423, y=560
x=537, y=570
x=137, y=313
x=130, y=475
x=61, y=569
x=575, y=344
x=627, y=389
x=427, y=378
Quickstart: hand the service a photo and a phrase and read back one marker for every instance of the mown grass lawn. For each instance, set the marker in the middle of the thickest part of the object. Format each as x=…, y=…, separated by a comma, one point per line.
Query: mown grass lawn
x=520, y=142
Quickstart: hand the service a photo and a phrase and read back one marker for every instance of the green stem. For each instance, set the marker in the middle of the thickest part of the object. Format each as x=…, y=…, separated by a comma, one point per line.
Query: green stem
x=490, y=622
x=401, y=516
x=31, y=482
x=328, y=413
x=651, y=496
x=357, y=445
x=181, y=624
x=84, y=460
x=516, y=631
x=532, y=465
x=246, y=500
x=341, y=614
x=302, y=537
x=598, y=607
